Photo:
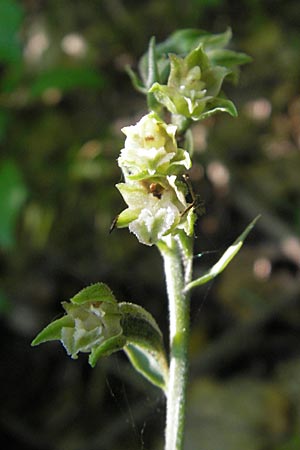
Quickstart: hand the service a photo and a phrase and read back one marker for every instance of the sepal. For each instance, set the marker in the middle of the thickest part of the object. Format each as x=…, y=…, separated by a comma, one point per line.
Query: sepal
x=52, y=332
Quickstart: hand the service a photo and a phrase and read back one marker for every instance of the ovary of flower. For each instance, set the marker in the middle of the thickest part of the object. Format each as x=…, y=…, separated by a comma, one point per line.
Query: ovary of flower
x=151, y=149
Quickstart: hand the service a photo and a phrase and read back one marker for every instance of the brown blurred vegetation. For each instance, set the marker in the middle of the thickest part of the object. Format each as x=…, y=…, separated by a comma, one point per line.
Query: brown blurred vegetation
x=64, y=96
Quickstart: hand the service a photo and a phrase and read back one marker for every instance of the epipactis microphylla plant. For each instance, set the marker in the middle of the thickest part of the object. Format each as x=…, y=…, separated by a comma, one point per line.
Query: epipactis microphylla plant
x=182, y=79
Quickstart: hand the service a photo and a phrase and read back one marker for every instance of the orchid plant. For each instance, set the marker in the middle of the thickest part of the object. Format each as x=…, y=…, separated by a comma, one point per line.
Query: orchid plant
x=182, y=79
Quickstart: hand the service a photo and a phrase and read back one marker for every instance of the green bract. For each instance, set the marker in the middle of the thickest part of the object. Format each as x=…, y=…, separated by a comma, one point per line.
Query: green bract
x=151, y=149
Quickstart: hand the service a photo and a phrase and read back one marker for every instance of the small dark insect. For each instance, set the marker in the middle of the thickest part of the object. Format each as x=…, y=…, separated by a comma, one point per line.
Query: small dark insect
x=195, y=201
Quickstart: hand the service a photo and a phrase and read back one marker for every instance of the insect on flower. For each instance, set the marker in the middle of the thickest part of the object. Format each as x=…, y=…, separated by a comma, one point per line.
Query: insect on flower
x=195, y=201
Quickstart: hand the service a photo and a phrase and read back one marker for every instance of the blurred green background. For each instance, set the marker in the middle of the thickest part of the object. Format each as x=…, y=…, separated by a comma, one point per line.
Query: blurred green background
x=64, y=96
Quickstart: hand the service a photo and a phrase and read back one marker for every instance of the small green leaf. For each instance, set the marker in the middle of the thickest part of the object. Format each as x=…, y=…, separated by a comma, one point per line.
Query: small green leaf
x=52, y=332
x=224, y=260
x=182, y=41
x=11, y=15
x=146, y=364
x=228, y=58
x=144, y=343
x=218, y=105
x=98, y=292
x=153, y=74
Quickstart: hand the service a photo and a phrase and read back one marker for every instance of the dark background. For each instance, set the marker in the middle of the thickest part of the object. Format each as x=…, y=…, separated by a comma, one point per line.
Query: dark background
x=64, y=96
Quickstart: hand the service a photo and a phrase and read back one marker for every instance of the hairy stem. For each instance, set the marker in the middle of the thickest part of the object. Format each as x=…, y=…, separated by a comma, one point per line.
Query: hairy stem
x=179, y=334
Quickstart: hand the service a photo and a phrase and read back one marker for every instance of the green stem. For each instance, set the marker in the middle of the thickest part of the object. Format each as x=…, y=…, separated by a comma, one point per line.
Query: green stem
x=179, y=334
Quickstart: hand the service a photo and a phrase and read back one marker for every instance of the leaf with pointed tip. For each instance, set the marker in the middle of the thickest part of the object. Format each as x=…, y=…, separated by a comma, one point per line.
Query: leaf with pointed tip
x=224, y=260
x=182, y=41
x=152, y=75
x=52, y=332
x=218, y=105
x=228, y=58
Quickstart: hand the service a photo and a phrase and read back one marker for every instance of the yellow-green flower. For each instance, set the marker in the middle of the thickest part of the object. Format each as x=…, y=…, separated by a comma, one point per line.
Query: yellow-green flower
x=151, y=150
x=194, y=86
x=156, y=208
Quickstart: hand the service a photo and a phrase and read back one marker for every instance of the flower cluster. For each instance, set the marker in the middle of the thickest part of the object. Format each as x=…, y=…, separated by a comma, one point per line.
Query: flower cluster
x=152, y=163
x=193, y=86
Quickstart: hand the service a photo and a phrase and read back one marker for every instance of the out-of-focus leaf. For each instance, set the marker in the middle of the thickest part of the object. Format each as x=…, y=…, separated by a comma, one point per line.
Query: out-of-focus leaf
x=12, y=77
x=13, y=193
x=4, y=302
x=183, y=41
x=66, y=79
x=228, y=58
x=238, y=414
x=4, y=118
x=11, y=14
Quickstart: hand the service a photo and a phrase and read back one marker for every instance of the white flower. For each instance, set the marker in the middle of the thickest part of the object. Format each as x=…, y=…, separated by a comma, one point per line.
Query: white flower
x=155, y=208
x=151, y=149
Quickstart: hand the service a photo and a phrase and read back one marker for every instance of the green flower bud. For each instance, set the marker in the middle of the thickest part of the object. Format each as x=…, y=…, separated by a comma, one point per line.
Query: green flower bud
x=151, y=150
x=193, y=86
x=156, y=207
x=91, y=322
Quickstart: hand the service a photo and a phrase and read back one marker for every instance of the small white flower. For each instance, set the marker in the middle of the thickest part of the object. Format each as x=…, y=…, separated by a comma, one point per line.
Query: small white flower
x=155, y=208
x=151, y=149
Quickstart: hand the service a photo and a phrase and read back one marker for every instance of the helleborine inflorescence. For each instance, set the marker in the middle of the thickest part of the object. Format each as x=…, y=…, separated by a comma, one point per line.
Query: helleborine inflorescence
x=151, y=163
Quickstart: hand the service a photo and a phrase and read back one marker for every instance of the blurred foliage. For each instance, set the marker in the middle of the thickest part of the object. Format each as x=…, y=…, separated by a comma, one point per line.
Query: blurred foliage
x=64, y=96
